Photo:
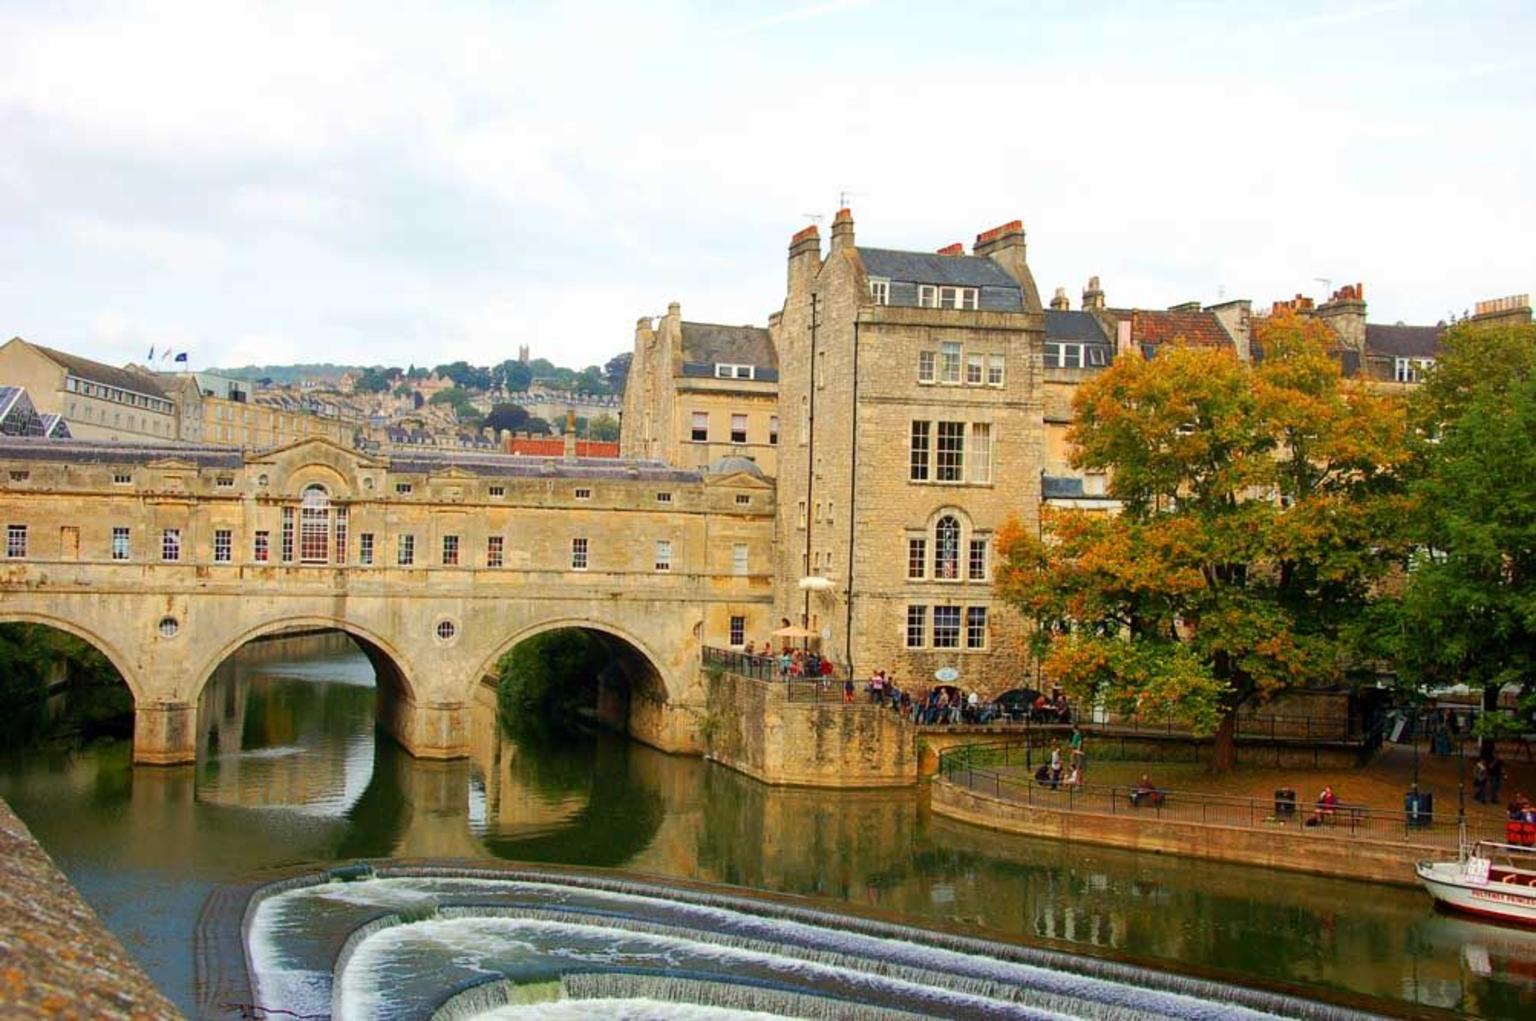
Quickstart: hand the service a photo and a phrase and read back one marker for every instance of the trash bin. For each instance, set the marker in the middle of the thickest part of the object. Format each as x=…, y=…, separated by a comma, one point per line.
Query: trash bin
x=1419, y=807
x=1285, y=802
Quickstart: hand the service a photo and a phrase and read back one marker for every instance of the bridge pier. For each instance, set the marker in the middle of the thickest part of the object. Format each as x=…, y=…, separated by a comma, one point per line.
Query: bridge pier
x=428, y=730
x=164, y=733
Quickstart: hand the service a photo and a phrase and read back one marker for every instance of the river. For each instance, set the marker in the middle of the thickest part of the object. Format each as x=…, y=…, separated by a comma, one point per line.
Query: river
x=290, y=771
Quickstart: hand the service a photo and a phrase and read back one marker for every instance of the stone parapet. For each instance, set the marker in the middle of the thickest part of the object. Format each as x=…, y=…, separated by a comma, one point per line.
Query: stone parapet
x=56, y=958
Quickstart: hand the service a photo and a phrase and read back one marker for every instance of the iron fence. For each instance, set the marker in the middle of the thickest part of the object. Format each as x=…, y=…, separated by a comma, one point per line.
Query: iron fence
x=1007, y=772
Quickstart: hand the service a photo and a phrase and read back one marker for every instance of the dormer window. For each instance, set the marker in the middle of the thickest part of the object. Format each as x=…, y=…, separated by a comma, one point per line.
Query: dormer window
x=880, y=292
x=1411, y=370
x=727, y=371
x=934, y=296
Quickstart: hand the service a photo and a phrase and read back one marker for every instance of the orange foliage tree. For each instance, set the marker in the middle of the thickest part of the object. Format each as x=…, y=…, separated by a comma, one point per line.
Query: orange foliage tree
x=1260, y=504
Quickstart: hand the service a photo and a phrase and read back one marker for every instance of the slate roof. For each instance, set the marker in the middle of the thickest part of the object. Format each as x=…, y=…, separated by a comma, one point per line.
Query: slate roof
x=1074, y=327
x=932, y=268
x=107, y=375
x=427, y=462
x=36, y=448
x=1201, y=329
x=712, y=344
x=1403, y=341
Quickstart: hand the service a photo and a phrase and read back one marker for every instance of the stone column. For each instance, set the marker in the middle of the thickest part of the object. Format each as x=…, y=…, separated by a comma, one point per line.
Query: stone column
x=164, y=733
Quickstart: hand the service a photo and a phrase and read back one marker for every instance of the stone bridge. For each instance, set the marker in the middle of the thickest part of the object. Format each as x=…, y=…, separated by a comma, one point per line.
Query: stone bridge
x=169, y=558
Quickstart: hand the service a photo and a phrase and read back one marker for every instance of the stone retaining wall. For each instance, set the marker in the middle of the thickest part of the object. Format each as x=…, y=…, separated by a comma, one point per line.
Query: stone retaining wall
x=1313, y=851
x=752, y=727
x=56, y=958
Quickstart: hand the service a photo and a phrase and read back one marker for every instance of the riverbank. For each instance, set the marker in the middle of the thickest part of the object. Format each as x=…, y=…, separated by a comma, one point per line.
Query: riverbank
x=1235, y=816
x=56, y=957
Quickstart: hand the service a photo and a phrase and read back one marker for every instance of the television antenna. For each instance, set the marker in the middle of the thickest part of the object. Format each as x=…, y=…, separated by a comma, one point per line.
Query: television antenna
x=844, y=196
x=1327, y=283
x=815, y=218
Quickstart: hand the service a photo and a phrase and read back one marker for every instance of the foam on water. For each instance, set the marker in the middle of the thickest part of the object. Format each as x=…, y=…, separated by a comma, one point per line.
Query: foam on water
x=619, y=1010
x=415, y=939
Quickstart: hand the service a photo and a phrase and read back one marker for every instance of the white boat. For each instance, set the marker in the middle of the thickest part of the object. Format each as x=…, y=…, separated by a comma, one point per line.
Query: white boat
x=1489, y=879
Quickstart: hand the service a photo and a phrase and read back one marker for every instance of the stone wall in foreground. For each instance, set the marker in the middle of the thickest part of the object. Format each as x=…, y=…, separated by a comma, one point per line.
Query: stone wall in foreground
x=56, y=958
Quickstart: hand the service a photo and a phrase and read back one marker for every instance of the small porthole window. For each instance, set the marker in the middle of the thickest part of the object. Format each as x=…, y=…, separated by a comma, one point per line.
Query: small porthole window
x=367, y=483
x=261, y=480
x=169, y=626
x=446, y=630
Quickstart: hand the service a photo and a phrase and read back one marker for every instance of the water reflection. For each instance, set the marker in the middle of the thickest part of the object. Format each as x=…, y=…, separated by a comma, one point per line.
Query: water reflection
x=290, y=771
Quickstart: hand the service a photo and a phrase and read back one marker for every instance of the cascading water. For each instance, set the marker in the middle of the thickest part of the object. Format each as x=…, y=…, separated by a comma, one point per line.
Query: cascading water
x=460, y=944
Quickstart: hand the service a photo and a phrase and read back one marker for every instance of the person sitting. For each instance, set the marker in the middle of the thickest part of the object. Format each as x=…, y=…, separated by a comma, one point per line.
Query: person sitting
x=1043, y=775
x=1145, y=793
x=1323, y=811
x=1074, y=777
x=1520, y=807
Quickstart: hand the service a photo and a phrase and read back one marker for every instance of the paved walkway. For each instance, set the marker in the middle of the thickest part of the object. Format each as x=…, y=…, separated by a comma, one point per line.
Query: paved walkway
x=1379, y=785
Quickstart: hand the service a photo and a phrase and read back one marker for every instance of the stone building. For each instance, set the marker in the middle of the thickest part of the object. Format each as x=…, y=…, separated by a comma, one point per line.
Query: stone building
x=697, y=392
x=98, y=401
x=910, y=387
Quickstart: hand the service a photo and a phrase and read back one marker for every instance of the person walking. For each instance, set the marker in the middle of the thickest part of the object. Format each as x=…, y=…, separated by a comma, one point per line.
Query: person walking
x=1495, y=778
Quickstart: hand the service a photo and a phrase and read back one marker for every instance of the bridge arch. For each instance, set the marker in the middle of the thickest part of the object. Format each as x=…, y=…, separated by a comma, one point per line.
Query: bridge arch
x=389, y=663
x=653, y=692
x=107, y=648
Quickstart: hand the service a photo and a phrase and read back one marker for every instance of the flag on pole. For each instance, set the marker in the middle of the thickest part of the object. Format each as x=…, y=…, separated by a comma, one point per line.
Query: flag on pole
x=166, y=354
x=181, y=357
x=151, y=356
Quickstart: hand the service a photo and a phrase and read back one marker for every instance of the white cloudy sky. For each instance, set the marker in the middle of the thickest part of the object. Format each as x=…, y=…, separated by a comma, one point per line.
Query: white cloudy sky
x=307, y=182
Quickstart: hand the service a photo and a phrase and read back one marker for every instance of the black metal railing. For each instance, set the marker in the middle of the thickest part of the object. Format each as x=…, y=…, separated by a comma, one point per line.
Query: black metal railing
x=1007, y=772
x=829, y=687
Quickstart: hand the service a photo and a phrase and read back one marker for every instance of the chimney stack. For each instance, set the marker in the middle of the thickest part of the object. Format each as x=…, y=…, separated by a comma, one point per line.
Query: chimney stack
x=1344, y=312
x=955, y=249
x=1514, y=310
x=804, y=259
x=1004, y=245
x=1093, y=296
x=842, y=229
x=570, y=426
x=1060, y=302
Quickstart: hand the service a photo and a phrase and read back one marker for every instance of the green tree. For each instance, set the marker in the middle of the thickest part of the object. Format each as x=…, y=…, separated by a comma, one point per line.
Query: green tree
x=511, y=417
x=604, y=427
x=373, y=380
x=546, y=681
x=513, y=375
x=1257, y=515
x=1467, y=612
x=616, y=372
x=465, y=375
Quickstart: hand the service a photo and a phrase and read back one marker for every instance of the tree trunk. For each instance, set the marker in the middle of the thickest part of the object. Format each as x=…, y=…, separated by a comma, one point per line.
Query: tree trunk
x=1490, y=705
x=1224, y=744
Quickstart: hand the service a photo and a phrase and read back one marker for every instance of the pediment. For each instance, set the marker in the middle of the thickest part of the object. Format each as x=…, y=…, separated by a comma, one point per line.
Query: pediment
x=739, y=480
x=317, y=448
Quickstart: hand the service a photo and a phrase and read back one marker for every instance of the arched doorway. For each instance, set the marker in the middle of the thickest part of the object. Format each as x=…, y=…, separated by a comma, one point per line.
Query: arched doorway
x=58, y=682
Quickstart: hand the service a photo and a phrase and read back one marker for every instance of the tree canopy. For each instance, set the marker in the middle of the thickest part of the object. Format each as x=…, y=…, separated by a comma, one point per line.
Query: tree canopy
x=1467, y=613
x=1257, y=502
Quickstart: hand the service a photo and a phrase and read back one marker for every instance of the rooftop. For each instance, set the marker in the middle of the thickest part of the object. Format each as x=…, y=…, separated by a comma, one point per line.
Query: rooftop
x=107, y=375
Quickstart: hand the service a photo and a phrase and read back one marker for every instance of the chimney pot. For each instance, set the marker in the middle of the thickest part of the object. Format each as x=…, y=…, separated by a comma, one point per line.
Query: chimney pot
x=955, y=249
x=1060, y=302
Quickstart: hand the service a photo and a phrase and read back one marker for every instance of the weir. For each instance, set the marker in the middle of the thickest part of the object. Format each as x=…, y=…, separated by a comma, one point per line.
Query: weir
x=447, y=943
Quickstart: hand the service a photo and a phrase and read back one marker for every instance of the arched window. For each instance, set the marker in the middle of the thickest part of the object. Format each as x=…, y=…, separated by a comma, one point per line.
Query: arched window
x=314, y=525
x=946, y=549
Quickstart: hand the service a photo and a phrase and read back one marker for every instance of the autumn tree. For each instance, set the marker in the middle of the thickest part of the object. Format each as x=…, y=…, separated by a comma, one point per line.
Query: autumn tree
x=1258, y=505
x=1467, y=613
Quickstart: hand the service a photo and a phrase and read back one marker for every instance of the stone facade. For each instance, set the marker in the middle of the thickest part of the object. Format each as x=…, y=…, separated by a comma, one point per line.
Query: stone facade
x=753, y=727
x=861, y=374
x=699, y=392
x=168, y=559
x=98, y=401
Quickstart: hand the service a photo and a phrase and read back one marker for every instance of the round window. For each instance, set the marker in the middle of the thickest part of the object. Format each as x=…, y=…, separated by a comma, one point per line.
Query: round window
x=261, y=480
x=367, y=483
x=169, y=626
x=446, y=630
